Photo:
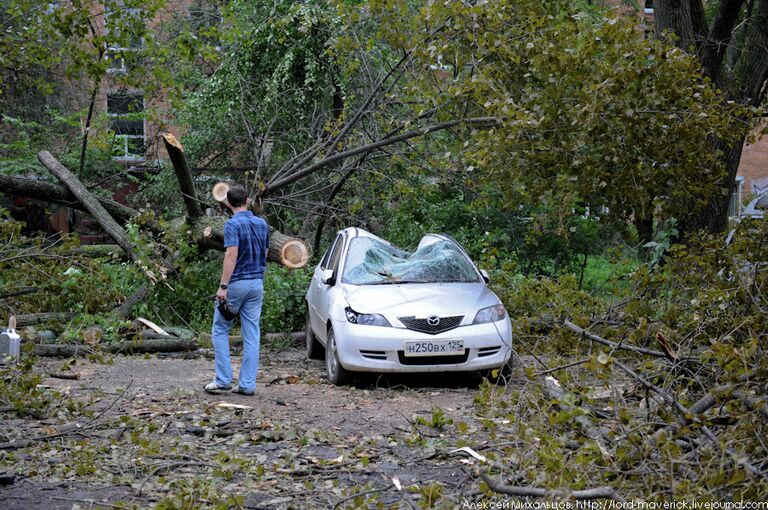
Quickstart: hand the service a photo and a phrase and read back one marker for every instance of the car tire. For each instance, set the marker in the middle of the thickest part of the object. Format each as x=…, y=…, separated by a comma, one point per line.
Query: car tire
x=314, y=347
x=503, y=374
x=337, y=375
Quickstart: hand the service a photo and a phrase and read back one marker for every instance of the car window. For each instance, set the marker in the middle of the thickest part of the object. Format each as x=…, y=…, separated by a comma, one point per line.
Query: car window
x=327, y=256
x=374, y=262
x=336, y=253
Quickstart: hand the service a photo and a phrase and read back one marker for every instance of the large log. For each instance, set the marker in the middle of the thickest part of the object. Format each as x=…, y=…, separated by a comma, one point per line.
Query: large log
x=148, y=345
x=31, y=319
x=98, y=251
x=47, y=192
x=292, y=252
x=107, y=222
x=184, y=176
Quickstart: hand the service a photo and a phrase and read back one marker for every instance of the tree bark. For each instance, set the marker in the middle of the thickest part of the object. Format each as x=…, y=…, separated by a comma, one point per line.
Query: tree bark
x=292, y=252
x=745, y=85
x=110, y=226
x=40, y=318
x=121, y=311
x=184, y=176
x=148, y=345
x=47, y=192
x=644, y=228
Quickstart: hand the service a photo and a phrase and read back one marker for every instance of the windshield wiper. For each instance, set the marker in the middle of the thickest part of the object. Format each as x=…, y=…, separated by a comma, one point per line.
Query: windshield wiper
x=397, y=282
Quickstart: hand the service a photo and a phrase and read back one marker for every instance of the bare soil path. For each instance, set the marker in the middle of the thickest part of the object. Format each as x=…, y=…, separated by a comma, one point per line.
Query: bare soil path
x=148, y=434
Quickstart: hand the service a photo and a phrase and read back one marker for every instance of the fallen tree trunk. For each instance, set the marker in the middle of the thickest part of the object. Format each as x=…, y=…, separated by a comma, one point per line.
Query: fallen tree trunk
x=40, y=318
x=121, y=311
x=292, y=252
x=47, y=192
x=21, y=291
x=296, y=337
x=85, y=197
x=156, y=343
x=98, y=251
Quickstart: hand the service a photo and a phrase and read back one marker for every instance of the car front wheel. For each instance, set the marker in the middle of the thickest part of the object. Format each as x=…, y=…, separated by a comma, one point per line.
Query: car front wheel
x=337, y=375
x=314, y=348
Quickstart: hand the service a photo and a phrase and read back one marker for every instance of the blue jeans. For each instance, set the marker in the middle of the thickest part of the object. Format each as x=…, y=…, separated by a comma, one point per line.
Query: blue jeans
x=245, y=296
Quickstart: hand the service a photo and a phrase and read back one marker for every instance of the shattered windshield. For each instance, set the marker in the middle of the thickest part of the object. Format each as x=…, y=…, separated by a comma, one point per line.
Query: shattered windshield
x=373, y=262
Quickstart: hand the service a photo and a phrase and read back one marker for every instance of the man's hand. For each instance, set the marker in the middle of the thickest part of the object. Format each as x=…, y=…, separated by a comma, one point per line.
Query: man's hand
x=221, y=295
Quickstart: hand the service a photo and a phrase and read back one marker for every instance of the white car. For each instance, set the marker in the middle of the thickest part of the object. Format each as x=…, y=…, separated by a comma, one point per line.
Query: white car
x=372, y=307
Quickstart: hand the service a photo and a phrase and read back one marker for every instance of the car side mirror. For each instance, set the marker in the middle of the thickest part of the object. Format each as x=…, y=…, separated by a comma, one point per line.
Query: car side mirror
x=484, y=274
x=328, y=277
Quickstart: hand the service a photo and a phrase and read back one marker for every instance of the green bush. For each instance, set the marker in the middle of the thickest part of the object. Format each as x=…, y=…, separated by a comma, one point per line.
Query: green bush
x=190, y=301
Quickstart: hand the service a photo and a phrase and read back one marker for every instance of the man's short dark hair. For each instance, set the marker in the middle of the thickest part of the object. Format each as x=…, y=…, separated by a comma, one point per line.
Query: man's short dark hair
x=236, y=196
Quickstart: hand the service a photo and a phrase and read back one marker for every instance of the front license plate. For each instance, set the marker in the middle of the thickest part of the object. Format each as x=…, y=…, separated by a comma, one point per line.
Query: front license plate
x=434, y=348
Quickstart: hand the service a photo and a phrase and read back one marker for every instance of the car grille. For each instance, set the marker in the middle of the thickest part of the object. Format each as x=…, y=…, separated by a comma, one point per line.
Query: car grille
x=432, y=360
x=423, y=325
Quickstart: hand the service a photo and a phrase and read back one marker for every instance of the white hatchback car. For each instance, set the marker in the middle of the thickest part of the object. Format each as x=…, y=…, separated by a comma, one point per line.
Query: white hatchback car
x=375, y=308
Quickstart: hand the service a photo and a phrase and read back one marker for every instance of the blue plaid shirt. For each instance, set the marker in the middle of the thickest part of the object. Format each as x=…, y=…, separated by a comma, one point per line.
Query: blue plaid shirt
x=251, y=236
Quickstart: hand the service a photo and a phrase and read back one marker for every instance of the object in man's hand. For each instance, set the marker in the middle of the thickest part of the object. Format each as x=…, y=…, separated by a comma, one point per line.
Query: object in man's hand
x=226, y=311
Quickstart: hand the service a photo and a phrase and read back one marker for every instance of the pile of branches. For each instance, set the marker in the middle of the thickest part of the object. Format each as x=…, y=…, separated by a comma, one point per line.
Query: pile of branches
x=661, y=395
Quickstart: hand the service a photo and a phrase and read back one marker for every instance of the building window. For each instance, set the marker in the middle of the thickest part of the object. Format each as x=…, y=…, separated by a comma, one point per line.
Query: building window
x=126, y=121
x=648, y=8
x=119, y=26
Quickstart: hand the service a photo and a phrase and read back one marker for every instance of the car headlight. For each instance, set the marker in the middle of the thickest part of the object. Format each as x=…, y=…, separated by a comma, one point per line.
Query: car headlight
x=490, y=314
x=366, y=319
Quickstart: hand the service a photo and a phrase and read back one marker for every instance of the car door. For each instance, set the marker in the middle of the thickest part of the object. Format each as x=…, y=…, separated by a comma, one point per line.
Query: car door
x=319, y=293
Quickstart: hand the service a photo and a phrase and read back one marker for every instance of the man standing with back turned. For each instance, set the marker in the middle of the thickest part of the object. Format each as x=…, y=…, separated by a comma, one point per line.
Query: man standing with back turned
x=246, y=240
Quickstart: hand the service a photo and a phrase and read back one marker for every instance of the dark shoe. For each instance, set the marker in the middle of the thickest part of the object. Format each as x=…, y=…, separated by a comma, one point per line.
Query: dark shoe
x=242, y=391
x=215, y=388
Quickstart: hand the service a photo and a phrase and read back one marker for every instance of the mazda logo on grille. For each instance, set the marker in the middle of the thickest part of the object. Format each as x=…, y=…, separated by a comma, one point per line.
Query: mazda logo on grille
x=433, y=321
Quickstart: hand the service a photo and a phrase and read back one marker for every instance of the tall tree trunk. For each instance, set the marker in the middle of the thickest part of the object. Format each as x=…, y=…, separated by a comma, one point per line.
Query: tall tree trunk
x=87, y=129
x=644, y=228
x=684, y=18
x=184, y=176
x=746, y=84
x=714, y=216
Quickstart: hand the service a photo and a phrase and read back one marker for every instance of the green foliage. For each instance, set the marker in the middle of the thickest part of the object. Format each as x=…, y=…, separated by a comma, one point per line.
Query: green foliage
x=275, y=74
x=66, y=282
x=536, y=240
x=582, y=103
x=21, y=390
x=191, y=299
x=438, y=419
x=285, y=307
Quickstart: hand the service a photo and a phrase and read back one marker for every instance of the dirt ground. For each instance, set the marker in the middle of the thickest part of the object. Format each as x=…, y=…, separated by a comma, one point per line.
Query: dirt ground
x=146, y=433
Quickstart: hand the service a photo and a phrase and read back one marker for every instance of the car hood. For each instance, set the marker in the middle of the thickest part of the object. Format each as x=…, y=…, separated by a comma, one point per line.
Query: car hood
x=420, y=299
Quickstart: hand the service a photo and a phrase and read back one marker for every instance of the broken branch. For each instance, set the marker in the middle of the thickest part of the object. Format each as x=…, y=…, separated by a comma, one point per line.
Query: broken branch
x=613, y=345
x=537, y=492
